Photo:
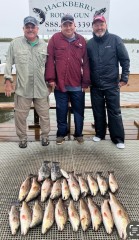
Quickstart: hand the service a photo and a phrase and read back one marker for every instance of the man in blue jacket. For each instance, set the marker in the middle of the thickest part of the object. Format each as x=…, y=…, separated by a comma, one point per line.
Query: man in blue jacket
x=106, y=51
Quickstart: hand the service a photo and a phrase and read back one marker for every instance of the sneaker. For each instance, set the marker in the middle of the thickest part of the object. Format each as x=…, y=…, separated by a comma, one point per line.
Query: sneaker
x=23, y=144
x=79, y=139
x=45, y=142
x=96, y=139
x=120, y=145
x=60, y=140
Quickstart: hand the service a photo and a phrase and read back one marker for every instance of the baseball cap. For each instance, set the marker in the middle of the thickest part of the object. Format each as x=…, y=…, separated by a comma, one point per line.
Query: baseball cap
x=30, y=19
x=99, y=18
x=67, y=18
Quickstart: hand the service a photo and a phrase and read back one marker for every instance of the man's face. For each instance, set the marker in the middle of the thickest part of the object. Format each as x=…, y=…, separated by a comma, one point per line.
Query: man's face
x=99, y=28
x=30, y=31
x=68, y=29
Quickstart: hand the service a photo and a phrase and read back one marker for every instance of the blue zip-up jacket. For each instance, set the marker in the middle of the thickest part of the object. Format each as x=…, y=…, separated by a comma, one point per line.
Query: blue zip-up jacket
x=105, y=53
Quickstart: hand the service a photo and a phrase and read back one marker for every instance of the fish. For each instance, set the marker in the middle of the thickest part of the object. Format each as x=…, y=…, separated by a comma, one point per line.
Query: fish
x=25, y=218
x=60, y=215
x=56, y=190
x=113, y=182
x=46, y=189
x=100, y=12
x=65, y=190
x=107, y=216
x=24, y=189
x=95, y=214
x=85, y=217
x=34, y=191
x=64, y=173
x=49, y=217
x=40, y=14
x=83, y=186
x=73, y=216
x=37, y=214
x=55, y=171
x=93, y=186
x=14, y=220
x=74, y=187
x=120, y=216
x=102, y=183
x=44, y=171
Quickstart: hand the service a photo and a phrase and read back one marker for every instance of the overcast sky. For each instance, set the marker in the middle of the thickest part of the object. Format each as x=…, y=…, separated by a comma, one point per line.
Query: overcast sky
x=123, y=18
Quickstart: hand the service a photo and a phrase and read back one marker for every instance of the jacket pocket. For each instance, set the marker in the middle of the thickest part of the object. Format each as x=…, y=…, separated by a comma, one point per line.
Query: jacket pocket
x=42, y=58
x=21, y=57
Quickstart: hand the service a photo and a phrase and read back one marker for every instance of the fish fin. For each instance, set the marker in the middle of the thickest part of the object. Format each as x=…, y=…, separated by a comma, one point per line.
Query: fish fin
x=111, y=172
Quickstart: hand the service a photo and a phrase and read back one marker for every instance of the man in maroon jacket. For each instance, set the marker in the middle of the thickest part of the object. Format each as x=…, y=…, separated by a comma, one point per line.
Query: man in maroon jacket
x=67, y=71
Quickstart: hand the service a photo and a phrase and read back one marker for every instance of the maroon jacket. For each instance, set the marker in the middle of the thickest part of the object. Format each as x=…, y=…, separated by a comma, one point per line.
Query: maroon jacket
x=67, y=63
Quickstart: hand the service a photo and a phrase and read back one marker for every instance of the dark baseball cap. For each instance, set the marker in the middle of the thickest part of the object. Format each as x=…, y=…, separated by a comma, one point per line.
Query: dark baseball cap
x=30, y=19
x=67, y=18
x=99, y=18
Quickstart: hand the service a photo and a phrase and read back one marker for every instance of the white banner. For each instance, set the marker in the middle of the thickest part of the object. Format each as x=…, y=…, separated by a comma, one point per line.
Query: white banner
x=49, y=13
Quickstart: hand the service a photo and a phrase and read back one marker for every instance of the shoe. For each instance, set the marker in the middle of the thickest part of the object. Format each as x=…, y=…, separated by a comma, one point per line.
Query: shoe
x=23, y=144
x=79, y=139
x=60, y=140
x=120, y=145
x=45, y=142
x=96, y=139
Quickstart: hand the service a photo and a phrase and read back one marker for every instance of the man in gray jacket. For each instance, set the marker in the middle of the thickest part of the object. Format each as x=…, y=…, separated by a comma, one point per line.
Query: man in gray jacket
x=28, y=53
x=106, y=51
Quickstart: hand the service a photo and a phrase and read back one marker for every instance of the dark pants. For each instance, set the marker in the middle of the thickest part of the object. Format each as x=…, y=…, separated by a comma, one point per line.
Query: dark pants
x=111, y=99
x=77, y=100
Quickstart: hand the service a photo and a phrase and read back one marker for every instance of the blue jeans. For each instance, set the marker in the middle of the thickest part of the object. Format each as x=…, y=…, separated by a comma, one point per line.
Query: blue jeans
x=77, y=100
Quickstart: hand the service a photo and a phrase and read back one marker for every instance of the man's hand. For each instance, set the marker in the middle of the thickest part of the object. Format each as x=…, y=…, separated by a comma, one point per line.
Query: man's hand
x=8, y=88
x=52, y=84
x=121, y=84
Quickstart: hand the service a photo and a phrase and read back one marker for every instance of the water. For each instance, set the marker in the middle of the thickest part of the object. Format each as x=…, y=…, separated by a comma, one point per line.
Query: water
x=128, y=114
x=133, y=50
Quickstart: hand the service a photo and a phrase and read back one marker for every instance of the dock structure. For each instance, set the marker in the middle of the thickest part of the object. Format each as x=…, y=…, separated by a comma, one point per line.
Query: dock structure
x=16, y=164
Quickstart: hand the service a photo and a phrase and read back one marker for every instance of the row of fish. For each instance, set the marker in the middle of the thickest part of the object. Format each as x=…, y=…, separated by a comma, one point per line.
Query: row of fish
x=112, y=212
x=71, y=185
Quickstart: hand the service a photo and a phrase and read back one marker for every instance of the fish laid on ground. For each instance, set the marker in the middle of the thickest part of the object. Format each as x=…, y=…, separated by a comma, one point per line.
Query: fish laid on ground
x=60, y=215
x=73, y=216
x=44, y=171
x=64, y=173
x=56, y=189
x=95, y=214
x=107, y=216
x=65, y=190
x=83, y=186
x=37, y=214
x=24, y=189
x=113, y=182
x=120, y=216
x=102, y=183
x=49, y=217
x=55, y=171
x=93, y=186
x=34, y=191
x=14, y=220
x=74, y=187
x=25, y=218
x=85, y=216
x=46, y=189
